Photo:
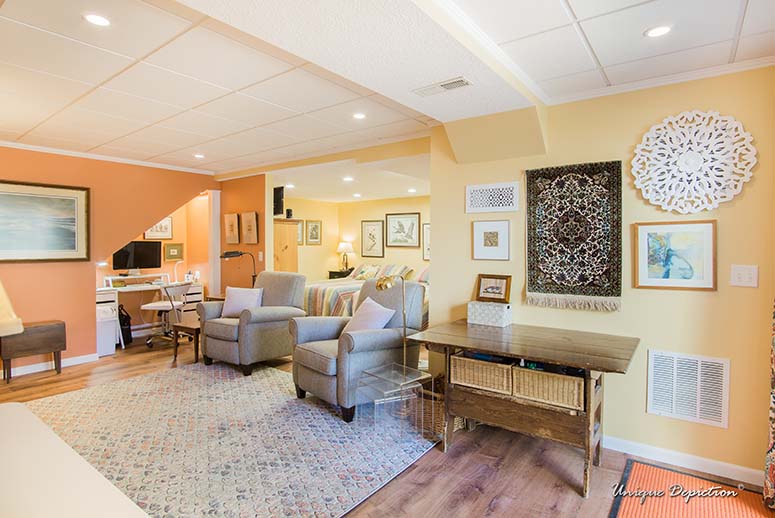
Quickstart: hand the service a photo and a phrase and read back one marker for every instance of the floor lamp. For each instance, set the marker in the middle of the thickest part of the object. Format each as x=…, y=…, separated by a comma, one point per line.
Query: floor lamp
x=238, y=253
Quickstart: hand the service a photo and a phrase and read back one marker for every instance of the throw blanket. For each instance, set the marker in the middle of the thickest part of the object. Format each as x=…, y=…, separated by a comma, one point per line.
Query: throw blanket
x=574, y=220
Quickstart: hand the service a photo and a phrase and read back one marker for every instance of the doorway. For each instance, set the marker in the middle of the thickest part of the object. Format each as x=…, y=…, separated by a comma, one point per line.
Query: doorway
x=286, y=248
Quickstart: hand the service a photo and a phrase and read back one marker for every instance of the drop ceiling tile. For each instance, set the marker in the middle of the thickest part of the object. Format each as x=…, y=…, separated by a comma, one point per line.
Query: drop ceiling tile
x=303, y=127
x=136, y=27
x=39, y=50
x=326, y=74
x=507, y=20
x=251, y=41
x=400, y=108
x=20, y=115
x=555, y=53
x=203, y=124
x=120, y=152
x=342, y=114
x=166, y=137
x=573, y=84
x=245, y=162
x=246, y=109
x=247, y=142
x=58, y=143
x=300, y=91
x=395, y=129
x=9, y=136
x=145, y=80
x=208, y=56
x=86, y=126
x=127, y=106
x=143, y=143
x=677, y=62
x=618, y=37
x=759, y=17
x=589, y=8
x=756, y=46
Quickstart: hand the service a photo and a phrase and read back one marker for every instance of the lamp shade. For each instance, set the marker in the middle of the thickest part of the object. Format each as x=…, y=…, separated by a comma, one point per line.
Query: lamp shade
x=10, y=324
x=345, y=247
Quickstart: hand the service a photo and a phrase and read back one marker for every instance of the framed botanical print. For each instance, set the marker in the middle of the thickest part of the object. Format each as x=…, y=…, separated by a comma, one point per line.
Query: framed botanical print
x=231, y=228
x=314, y=232
x=161, y=230
x=249, y=226
x=373, y=238
x=403, y=230
x=675, y=255
x=426, y=241
x=493, y=288
x=491, y=240
x=40, y=222
x=173, y=251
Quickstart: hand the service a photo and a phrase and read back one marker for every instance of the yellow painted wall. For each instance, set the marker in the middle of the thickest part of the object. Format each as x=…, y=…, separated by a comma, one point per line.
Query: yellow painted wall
x=351, y=214
x=315, y=261
x=732, y=322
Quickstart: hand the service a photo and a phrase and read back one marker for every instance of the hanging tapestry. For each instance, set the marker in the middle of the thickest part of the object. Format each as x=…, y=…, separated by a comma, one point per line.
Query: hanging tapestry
x=769, y=459
x=574, y=221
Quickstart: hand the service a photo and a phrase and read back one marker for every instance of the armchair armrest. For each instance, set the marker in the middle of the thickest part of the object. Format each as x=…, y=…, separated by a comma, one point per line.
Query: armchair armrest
x=372, y=340
x=313, y=329
x=269, y=314
x=209, y=310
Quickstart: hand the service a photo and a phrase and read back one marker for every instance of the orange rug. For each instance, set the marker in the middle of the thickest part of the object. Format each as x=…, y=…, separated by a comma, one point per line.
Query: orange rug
x=648, y=491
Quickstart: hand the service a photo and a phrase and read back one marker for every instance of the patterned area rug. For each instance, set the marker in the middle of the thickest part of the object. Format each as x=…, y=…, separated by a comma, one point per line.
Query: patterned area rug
x=574, y=225
x=198, y=440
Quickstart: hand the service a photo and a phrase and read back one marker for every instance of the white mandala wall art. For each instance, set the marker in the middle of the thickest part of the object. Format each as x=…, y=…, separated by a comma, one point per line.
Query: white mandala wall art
x=693, y=161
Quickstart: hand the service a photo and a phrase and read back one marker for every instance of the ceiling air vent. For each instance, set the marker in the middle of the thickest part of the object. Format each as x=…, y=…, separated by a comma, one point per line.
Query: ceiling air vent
x=438, y=88
x=693, y=388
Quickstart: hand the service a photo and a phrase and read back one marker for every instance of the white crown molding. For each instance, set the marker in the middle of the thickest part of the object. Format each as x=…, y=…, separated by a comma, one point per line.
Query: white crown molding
x=49, y=365
x=104, y=158
x=682, y=77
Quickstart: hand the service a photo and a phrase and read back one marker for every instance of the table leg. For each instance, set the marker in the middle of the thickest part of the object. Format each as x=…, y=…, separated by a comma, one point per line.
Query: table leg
x=196, y=346
x=58, y=361
x=7, y=370
x=449, y=419
x=175, y=339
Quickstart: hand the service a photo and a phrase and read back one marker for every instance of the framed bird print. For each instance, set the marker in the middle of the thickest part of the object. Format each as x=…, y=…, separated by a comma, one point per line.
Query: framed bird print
x=403, y=230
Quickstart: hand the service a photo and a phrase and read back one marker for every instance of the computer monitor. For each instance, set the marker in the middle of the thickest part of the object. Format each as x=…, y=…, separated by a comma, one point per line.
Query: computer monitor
x=138, y=254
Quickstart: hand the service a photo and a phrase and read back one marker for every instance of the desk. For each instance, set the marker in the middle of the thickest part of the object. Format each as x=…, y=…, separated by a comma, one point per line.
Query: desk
x=595, y=353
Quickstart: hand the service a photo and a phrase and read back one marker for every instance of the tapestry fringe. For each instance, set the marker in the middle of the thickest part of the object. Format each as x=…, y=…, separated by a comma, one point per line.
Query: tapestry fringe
x=554, y=300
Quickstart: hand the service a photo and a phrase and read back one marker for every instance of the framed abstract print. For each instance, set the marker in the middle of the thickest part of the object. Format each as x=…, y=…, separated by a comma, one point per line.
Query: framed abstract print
x=403, y=230
x=373, y=238
x=161, y=230
x=231, y=228
x=249, y=226
x=491, y=240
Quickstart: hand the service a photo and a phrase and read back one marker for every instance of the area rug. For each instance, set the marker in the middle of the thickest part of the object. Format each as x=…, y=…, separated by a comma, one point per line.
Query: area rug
x=574, y=252
x=196, y=441
x=646, y=491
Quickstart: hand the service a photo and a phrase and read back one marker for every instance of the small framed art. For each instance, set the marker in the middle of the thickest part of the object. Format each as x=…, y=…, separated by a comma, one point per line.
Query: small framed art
x=173, y=251
x=493, y=288
x=491, y=240
x=675, y=255
x=161, y=230
x=249, y=226
x=426, y=241
x=373, y=238
x=300, y=232
x=403, y=230
x=314, y=232
x=231, y=228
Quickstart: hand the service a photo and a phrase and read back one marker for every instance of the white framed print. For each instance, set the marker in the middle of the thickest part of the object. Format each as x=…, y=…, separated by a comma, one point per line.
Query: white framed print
x=491, y=241
x=426, y=241
x=373, y=238
x=161, y=230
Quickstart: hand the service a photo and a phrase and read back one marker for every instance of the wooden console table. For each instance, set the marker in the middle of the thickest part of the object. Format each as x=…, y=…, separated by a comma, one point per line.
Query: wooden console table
x=595, y=353
x=37, y=338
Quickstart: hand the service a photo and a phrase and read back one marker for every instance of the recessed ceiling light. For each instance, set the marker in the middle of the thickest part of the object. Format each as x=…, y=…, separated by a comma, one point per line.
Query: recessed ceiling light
x=199, y=156
x=347, y=179
x=359, y=116
x=412, y=190
x=356, y=195
x=656, y=32
x=96, y=19
x=290, y=186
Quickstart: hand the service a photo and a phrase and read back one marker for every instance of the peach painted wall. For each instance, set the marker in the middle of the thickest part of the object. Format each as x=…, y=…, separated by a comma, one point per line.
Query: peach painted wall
x=125, y=200
x=243, y=195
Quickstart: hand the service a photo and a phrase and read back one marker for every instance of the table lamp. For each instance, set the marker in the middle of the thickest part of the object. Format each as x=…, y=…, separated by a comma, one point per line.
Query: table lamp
x=10, y=324
x=230, y=254
x=344, y=248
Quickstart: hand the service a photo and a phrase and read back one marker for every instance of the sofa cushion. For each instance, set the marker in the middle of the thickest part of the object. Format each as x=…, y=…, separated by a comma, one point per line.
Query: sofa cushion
x=369, y=315
x=318, y=356
x=240, y=299
x=223, y=328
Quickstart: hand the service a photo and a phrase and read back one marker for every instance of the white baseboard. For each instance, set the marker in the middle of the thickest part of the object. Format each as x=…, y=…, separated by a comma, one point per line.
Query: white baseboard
x=49, y=365
x=685, y=460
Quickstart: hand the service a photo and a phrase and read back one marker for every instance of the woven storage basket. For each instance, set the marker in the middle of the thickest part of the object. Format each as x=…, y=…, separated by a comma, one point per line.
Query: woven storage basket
x=492, y=376
x=547, y=387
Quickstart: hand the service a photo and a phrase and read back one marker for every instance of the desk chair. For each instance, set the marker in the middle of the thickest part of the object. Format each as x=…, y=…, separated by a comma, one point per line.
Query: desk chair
x=172, y=301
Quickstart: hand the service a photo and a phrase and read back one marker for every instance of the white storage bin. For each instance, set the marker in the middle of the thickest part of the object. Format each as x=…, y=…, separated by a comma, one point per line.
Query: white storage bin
x=489, y=314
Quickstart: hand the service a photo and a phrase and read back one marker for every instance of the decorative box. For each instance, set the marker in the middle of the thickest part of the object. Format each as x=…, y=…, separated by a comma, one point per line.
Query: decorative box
x=489, y=314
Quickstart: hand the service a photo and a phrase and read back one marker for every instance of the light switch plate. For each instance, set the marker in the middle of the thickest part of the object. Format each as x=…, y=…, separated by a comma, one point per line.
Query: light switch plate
x=745, y=275
x=261, y=257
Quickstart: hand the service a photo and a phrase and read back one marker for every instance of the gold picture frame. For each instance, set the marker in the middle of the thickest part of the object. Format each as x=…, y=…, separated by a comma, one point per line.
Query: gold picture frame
x=314, y=232
x=173, y=251
x=493, y=288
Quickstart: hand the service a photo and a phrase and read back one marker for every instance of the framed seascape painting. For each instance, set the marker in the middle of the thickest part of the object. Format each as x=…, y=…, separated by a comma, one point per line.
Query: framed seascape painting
x=249, y=228
x=493, y=288
x=403, y=230
x=314, y=232
x=426, y=241
x=491, y=240
x=373, y=238
x=675, y=255
x=231, y=228
x=43, y=222
x=161, y=230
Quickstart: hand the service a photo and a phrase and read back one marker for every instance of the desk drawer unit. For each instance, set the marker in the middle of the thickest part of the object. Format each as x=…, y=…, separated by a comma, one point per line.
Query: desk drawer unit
x=194, y=296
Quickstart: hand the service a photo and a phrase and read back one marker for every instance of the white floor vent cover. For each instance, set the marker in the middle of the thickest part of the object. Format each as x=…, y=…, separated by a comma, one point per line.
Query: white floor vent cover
x=694, y=388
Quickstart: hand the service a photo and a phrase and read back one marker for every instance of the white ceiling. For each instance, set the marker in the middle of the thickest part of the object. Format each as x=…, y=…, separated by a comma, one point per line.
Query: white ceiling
x=373, y=181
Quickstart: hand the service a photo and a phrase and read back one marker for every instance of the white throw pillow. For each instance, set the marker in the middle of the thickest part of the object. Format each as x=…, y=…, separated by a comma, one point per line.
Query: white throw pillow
x=370, y=315
x=238, y=299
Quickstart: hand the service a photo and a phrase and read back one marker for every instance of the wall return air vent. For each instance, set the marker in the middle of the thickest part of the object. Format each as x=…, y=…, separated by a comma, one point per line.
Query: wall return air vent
x=693, y=388
x=444, y=86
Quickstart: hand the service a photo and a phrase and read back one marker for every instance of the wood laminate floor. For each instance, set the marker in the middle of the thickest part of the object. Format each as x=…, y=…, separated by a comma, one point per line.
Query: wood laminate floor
x=486, y=472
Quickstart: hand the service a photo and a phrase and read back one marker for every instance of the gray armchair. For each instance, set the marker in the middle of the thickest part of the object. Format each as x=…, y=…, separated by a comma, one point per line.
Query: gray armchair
x=328, y=363
x=258, y=334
